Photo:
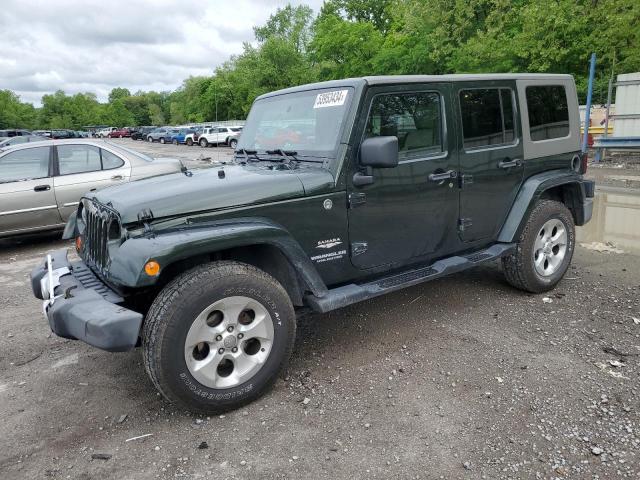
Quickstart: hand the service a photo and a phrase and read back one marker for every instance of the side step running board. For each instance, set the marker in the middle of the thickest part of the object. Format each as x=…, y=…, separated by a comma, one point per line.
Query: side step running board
x=352, y=293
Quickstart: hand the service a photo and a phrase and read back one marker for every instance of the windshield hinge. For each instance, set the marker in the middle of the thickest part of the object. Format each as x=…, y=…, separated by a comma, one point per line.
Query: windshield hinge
x=356, y=199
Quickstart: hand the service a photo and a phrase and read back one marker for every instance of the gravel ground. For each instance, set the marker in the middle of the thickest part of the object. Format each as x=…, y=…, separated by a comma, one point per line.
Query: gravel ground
x=462, y=377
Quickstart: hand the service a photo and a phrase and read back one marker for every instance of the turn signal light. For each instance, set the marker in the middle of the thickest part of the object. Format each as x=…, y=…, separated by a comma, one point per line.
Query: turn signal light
x=78, y=243
x=152, y=268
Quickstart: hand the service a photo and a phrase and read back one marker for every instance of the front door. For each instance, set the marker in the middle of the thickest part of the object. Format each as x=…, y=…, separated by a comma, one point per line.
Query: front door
x=491, y=160
x=409, y=212
x=27, y=200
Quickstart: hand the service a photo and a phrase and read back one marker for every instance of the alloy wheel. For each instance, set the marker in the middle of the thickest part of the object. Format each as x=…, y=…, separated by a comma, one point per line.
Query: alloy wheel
x=229, y=342
x=550, y=247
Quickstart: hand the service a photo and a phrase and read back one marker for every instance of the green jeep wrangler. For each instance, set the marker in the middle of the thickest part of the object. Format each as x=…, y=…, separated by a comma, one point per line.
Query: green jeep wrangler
x=338, y=192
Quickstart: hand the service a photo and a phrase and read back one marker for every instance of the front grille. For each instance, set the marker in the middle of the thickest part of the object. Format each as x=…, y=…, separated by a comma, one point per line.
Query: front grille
x=98, y=219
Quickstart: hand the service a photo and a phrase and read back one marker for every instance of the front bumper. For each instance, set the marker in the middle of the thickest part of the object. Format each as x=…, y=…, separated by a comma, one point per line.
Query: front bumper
x=83, y=307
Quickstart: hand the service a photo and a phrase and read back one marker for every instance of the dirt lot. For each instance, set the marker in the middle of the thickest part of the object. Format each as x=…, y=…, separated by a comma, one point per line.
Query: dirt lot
x=462, y=377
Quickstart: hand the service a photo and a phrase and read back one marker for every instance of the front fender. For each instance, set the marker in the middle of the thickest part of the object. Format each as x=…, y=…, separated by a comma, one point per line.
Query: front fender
x=532, y=190
x=127, y=265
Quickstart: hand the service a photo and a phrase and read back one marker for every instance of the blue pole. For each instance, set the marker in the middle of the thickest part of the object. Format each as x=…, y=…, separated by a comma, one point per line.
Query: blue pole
x=587, y=114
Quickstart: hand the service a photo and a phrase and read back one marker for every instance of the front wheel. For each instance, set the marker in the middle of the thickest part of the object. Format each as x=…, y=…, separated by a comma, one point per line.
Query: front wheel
x=204, y=143
x=544, y=249
x=150, y=139
x=218, y=336
x=162, y=140
x=189, y=142
x=175, y=142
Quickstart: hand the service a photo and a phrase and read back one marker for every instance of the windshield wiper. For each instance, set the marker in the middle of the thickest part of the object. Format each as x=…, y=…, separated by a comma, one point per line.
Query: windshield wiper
x=287, y=155
x=290, y=156
x=248, y=154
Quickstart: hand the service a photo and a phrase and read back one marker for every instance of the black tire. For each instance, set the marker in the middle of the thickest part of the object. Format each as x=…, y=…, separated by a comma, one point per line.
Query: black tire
x=175, y=142
x=189, y=142
x=162, y=140
x=519, y=268
x=171, y=316
x=203, y=142
x=150, y=139
x=233, y=143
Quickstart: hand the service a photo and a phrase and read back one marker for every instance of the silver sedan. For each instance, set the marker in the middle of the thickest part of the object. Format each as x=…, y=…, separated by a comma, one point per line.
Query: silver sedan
x=41, y=183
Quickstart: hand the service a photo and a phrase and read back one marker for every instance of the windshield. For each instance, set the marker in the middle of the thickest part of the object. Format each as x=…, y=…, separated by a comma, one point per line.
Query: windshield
x=307, y=122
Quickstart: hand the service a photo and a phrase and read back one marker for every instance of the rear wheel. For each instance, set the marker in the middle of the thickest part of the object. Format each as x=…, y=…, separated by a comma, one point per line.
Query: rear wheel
x=204, y=143
x=233, y=143
x=150, y=139
x=218, y=336
x=175, y=142
x=544, y=249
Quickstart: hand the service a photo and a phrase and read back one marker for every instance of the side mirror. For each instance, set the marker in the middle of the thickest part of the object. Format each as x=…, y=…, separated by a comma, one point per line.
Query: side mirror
x=379, y=152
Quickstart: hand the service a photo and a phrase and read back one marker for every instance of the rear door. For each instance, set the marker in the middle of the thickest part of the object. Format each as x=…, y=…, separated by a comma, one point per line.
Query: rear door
x=81, y=168
x=491, y=156
x=27, y=199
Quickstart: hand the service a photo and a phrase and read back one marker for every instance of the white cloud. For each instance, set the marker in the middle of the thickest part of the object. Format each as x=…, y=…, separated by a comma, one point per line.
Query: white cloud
x=93, y=45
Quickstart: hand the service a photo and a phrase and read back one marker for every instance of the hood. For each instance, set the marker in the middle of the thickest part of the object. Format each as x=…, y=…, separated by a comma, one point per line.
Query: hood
x=208, y=189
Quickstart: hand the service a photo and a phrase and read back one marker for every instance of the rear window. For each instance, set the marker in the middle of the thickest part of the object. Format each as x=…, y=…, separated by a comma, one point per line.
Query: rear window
x=487, y=117
x=548, y=112
x=109, y=160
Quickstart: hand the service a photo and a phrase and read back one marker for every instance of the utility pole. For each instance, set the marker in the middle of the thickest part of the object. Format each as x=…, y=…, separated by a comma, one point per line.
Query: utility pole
x=587, y=113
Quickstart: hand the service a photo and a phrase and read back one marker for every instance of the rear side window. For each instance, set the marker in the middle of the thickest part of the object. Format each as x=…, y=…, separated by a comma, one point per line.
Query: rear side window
x=414, y=118
x=548, y=112
x=78, y=159
x=487, y=117
x=24, y=164
x=109, y=160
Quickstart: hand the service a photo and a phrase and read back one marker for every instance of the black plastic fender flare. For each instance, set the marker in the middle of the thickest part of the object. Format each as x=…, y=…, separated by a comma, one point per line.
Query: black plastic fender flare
x=531, y=191
x=166, y=248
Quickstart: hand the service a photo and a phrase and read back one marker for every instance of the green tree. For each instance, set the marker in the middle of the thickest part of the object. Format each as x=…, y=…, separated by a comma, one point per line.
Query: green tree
x=118, y=93
x=14, y=113
x=292, y=24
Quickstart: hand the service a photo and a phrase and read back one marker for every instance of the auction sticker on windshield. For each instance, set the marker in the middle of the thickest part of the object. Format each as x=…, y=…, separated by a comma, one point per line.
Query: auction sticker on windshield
x=331, y=99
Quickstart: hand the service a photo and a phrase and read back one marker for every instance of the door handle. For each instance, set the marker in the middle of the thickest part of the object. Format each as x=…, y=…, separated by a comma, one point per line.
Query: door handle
x=117, y=177
x=439, y=177
x=41, y=188
x=508, y=163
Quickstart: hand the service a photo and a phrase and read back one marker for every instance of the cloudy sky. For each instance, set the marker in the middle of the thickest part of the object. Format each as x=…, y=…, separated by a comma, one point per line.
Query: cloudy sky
x=93, y=46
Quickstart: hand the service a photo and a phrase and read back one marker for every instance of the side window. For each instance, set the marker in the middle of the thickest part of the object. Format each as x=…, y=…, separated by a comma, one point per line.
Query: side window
x=24, y=164
x=110, y=161
x=78, y=159
x=487, y=117
x=414, y=118
x=548, y=112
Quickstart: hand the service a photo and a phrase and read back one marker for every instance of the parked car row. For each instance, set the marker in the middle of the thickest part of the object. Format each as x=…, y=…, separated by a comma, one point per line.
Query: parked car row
x=53, y=134
x=203, y=136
